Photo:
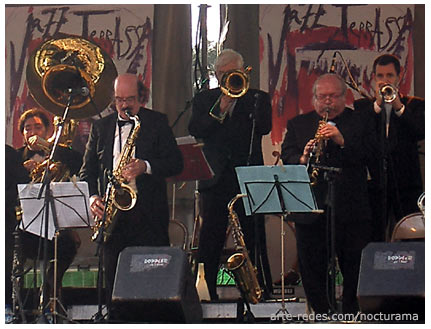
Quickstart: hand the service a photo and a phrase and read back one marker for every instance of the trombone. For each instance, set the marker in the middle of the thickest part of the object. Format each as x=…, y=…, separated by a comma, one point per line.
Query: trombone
x=235, y=84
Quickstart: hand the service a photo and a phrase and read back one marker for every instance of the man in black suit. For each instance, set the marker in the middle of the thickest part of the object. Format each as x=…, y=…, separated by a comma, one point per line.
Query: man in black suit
x=34, y=125
x=400, y=125
x=155, y=157
x=228, y=143
x=347, y=142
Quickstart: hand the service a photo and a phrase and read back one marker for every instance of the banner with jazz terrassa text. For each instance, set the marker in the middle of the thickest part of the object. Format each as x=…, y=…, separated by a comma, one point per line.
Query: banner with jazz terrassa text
x=298, y=43
x=124, y=31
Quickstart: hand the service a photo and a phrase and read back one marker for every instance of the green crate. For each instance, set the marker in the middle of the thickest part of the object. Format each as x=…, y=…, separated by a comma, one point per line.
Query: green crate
x=72, y=278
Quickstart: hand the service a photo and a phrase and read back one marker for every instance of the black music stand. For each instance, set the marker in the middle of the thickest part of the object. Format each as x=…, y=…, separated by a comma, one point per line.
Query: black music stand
x=67, y=207
x=281, y=190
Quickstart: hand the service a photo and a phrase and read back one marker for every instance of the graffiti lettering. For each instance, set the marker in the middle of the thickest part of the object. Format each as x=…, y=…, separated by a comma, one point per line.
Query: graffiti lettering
x=308, y=28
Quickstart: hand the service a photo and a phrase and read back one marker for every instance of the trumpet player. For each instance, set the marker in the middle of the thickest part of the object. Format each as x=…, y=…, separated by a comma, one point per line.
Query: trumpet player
x=346, y=145
x=231, y=128
x=34, y=125
x=399, y=122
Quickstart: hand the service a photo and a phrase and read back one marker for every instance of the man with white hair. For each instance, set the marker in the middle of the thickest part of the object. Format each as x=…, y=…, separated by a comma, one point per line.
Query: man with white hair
x=347, y=144
x=231, y=129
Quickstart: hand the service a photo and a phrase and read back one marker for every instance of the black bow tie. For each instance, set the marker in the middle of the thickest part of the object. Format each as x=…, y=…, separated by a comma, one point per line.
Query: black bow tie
x=121, y=123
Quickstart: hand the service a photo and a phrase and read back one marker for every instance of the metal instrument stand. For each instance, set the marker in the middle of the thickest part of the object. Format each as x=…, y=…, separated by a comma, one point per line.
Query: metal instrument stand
x=283, y=217
x=17, y=276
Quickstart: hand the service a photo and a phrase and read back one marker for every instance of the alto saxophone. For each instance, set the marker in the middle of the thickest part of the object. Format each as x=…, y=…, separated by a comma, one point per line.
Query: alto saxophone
x=121, y=196
x=319, y=145
x=239, y=263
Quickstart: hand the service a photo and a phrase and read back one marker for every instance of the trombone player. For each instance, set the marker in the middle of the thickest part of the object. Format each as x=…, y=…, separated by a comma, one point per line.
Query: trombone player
x=399, y=134
x=231, y=121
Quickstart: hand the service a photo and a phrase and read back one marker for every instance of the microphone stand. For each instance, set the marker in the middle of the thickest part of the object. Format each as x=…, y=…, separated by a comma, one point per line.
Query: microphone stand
x=187, y=106
x=49, y=201
x=98, y=317
x=330, y=175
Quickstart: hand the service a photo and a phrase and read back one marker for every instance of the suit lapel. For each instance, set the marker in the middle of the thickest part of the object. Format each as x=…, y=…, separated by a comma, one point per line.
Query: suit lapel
x=109, y=137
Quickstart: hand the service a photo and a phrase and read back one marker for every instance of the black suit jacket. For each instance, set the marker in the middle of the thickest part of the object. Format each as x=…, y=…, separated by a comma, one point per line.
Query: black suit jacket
x=155, y=143
x=227, y=144
x=351, y=202
x=402, y=149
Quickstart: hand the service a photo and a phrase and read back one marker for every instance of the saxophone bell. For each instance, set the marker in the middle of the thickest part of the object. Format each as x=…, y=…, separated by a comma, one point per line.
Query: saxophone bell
x=240, y=263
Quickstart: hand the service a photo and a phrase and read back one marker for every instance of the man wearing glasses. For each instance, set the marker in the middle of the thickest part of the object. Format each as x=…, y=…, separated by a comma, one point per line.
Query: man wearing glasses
x=347, y=142
x=155, y=157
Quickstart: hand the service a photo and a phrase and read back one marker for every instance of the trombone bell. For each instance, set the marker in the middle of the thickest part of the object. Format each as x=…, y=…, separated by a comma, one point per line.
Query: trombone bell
x=235, y=84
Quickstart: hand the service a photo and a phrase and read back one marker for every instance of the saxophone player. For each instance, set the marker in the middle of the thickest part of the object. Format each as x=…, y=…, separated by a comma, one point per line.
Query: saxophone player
x=349, y=142
x=155, y=156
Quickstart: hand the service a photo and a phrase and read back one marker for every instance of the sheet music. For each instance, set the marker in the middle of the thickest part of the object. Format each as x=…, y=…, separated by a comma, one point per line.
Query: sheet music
x=186, y=140
x=71, y=203
x=258, y=183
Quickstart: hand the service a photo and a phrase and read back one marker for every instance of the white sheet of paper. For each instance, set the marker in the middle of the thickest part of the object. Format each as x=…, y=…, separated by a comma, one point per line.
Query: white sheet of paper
x=71, y=203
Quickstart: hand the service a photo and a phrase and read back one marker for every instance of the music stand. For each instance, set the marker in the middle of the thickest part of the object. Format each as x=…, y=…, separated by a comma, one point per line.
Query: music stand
x=281, y=190
x=196, y=167
x=69, y=209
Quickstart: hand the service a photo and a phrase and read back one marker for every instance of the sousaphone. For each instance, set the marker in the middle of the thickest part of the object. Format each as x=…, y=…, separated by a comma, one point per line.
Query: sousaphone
x=69, y=69
x=71, y=65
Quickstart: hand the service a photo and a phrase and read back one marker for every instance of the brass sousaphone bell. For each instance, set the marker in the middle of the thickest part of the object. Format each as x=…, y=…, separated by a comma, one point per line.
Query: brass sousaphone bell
x=71, y=69
x=67, y=65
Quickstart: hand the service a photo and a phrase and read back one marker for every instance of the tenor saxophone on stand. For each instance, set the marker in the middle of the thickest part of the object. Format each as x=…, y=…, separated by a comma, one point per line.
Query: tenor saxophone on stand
x=240, y=263
x=121, y=196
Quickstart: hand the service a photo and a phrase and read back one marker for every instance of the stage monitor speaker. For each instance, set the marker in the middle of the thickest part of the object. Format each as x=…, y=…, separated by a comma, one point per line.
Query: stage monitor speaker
x=392, y=278
x=155, y=285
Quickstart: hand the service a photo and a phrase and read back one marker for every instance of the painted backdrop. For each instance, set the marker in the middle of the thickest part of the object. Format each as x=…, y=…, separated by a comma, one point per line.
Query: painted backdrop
x=297, y=44
x=123, y=31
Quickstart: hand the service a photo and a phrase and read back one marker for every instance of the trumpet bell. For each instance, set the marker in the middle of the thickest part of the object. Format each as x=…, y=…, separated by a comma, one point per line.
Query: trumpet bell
x=62, y=67
x=389, y=93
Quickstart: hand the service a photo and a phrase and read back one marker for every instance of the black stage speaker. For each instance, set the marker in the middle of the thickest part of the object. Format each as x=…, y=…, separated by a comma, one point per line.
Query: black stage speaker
x=392, y=278
x=155, y=284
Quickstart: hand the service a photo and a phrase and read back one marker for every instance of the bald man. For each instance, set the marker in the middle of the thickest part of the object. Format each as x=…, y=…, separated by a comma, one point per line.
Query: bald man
x=155, y=157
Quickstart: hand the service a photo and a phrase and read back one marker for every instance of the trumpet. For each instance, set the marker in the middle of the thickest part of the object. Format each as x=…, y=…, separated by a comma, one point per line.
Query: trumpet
x=388, y=92
x=235, y=84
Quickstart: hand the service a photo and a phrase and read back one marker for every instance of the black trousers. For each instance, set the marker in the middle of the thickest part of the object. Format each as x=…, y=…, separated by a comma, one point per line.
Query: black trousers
x=67, y=247
x=313, y=246
x=213, y=233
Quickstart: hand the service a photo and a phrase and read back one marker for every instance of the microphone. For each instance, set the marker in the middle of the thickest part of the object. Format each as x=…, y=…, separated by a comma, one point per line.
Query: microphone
x=257, y=98
x=332, y=69
x=82, y=91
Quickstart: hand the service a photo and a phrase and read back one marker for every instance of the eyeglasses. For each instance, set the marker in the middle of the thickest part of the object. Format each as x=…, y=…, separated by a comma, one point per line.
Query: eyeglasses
x=331, y=96
x=128, y=100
